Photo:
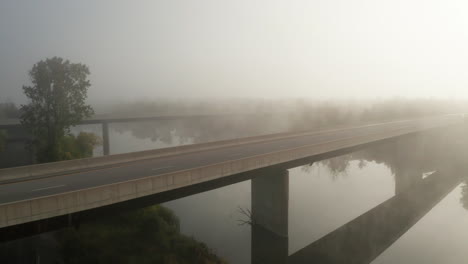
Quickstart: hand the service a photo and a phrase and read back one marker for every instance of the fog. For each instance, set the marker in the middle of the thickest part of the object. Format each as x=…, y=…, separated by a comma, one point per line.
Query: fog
x=334, y=49
x=246, y=131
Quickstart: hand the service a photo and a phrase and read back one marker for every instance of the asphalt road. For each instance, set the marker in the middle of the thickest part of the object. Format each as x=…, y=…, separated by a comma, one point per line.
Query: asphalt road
x=34, y=188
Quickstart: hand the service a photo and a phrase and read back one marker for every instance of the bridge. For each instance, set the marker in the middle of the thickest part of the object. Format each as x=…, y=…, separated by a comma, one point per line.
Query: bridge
x=105, y=119
x=38, y=197
x=359, y=241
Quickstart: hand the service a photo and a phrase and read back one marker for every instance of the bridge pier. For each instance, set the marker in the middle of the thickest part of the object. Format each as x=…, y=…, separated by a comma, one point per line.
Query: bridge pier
x=105, y=138
x=270, y=200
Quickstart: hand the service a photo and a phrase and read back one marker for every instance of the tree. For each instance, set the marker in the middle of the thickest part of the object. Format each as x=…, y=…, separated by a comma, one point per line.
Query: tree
x=147, y=235
x=57, y=102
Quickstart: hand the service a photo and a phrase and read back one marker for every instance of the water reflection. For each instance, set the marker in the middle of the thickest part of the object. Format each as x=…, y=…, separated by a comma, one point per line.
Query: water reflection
x=364, y=238
x=348, y=209
x=127, y=137
x=322, y=201
x=439, y=237
x=199, y=130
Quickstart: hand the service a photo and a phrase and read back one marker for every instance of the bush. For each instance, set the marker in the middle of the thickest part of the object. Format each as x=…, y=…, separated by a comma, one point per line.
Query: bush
x=78, y=147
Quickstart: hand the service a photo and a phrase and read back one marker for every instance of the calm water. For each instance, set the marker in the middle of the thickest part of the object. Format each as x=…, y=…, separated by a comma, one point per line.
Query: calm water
x=400, y=201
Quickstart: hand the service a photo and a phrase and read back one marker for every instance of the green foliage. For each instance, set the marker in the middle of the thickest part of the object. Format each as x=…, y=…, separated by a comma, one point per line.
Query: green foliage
x=3, y=137
x=57, y=102
x=77, y=147
x=149, y=235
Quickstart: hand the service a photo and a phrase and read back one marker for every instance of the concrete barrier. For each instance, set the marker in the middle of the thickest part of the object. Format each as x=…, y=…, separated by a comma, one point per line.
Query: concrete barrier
x=75, y=201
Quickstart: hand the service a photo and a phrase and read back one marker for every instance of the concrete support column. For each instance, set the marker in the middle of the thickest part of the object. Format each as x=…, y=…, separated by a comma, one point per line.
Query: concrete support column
x=270, y=198
x=105, y=138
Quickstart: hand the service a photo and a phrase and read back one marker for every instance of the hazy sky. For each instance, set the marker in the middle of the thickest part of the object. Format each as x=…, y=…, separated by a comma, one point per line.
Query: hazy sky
x=149, y=49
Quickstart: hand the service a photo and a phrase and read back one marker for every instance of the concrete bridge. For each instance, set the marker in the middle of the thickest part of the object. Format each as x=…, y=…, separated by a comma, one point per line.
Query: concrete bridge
x=18, y=133
x=41, y=197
